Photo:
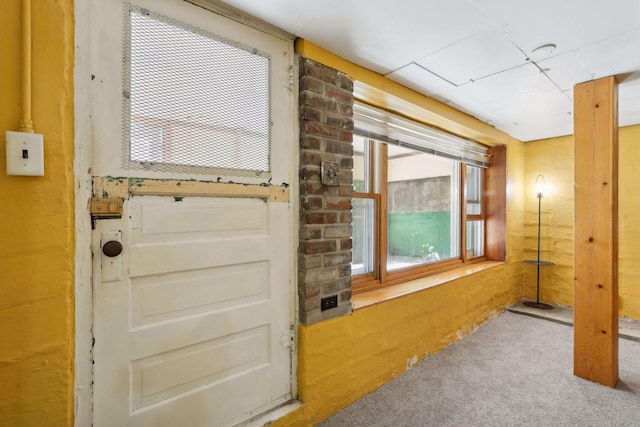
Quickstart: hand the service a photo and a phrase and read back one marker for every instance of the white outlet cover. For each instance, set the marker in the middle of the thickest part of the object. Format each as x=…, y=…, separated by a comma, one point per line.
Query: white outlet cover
x=25, y=153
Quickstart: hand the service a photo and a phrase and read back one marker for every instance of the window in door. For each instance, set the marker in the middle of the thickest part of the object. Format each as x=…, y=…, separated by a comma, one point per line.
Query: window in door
x=195, y=101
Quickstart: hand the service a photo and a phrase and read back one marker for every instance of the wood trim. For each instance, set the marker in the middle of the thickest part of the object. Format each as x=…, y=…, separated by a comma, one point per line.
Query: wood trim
x=124, y=187
x=384, y=278
x=496, y=204
x=463, y=212
x=596, y=231
x=384, y=210
x=365, y=298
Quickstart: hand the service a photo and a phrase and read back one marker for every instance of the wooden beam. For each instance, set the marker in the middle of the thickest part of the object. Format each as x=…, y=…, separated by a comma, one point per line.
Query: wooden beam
x=596, y=231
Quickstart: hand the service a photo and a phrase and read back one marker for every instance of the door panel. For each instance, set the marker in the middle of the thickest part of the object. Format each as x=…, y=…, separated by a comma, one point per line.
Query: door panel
x=191, y=334
x=192, y=321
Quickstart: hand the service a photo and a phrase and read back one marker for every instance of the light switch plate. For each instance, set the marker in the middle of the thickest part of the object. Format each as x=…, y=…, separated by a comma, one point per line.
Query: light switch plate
x=25, y=153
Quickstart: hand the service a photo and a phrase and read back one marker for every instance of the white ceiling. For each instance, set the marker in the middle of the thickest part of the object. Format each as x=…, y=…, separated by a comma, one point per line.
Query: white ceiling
x=477, y=55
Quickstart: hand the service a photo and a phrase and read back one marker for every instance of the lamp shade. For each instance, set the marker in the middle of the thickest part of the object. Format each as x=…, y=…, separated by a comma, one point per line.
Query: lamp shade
x=539, y=186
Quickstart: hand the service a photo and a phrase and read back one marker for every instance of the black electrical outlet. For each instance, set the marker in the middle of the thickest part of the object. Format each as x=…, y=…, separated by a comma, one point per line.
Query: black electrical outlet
x=328, y=302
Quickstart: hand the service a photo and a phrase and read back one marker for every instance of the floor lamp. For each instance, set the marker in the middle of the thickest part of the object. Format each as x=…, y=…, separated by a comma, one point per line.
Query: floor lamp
x=537, y=262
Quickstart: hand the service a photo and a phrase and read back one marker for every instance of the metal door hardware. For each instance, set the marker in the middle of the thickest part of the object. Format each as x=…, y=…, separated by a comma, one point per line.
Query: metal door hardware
x=112, y=248
x=106, y=208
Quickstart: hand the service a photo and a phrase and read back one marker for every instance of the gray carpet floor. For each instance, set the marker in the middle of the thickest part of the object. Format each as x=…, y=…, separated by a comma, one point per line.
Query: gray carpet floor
x=513, y=371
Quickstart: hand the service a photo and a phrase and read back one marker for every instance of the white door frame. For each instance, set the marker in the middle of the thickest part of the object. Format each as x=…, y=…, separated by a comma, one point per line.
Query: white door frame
x=82, y=169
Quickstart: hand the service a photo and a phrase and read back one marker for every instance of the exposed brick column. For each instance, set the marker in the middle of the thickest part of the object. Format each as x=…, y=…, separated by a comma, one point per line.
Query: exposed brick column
x=324, y=252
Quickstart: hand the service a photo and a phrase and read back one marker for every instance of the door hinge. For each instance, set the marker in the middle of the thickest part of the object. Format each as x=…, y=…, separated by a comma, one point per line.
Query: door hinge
x=287, y=338
x=291, y=77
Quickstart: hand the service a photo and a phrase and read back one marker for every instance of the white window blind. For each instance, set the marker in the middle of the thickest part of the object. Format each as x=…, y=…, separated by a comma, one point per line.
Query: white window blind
x=387, y=127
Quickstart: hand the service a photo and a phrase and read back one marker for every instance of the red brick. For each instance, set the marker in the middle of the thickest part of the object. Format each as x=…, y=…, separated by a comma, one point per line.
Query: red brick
x=315, y=100
x=337, y=231
x=345, y=135
x=338, y=203
x=309, y=304
x=309, y=173
x=308, y=157
x=311, y=233
x=346, y=176
x=346, y=217
x=346, y=109
x=345, y=244
x=310, y=290
x=338, y=147
x=315, y=187
x=320, y=218
x=339, y=121
x=335, y=286
x=311, y=84
x=339, y=94
x=346, y=189
x=337, y=259
x=345, y=271
x=319, y=247
x=310, y=142
x=346, y=164
x=312, y=203
x=319, y=71
x=306, y=262
x=344, y=82
x=319, y=129
x=311, y=114
x=345, y=296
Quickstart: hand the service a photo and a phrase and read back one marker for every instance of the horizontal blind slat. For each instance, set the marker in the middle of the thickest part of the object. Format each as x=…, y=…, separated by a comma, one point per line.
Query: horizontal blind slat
x=387, y=127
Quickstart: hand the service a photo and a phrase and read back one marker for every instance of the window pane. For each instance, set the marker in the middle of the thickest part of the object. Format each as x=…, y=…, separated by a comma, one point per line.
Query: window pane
x=360, y=164
x=474, y=190
x=423, y=205
x=475, y=238
x=363, y=236
x=196, y=100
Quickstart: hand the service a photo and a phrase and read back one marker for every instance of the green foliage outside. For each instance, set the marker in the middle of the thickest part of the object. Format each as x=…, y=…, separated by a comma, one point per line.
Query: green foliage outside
x=420, y=234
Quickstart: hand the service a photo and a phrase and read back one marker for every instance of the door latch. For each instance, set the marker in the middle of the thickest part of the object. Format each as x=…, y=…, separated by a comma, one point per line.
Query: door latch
x=106, y=208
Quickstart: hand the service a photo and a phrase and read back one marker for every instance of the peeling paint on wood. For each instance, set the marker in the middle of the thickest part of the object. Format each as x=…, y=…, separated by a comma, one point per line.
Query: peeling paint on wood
x=106, y=187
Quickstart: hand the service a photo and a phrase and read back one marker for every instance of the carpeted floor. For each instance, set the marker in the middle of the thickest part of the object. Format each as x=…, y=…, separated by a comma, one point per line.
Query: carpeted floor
x=514, y=371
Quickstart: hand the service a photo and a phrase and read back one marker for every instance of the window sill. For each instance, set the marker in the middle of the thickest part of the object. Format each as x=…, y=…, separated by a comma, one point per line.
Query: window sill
x=376, y=296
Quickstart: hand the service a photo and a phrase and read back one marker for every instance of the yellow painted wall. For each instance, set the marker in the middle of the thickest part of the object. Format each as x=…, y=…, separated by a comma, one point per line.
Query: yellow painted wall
x=554, y=159
x=343, y=359
x=36, y=227
x=629, y=222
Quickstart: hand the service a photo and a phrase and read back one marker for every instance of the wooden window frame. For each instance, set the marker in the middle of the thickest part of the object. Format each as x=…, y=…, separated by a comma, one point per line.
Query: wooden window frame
x=380, y=277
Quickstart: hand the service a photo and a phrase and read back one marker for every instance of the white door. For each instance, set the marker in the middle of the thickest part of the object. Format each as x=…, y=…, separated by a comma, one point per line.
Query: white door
x=193, y=315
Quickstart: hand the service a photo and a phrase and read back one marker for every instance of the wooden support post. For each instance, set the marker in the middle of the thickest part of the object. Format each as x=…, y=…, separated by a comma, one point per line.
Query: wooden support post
x=596, y=231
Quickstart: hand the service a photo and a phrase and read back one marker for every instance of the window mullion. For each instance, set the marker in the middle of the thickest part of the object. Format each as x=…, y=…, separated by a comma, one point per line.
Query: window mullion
x=381, y=181
x=463, y=212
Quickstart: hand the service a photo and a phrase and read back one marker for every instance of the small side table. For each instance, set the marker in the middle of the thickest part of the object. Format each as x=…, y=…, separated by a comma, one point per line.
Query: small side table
x=537, y=303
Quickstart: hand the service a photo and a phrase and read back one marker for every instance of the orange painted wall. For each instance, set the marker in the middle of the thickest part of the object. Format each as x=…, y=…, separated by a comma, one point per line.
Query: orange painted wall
x=36, y=225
